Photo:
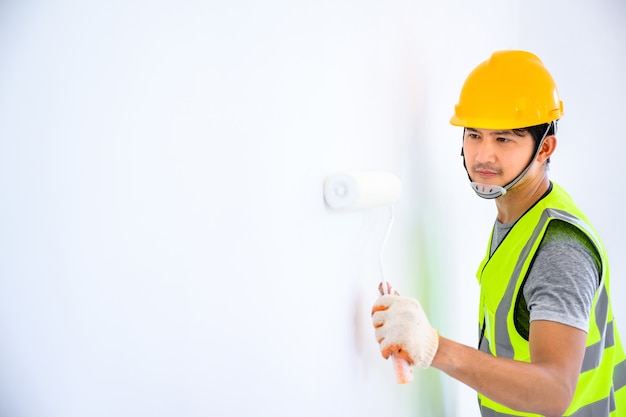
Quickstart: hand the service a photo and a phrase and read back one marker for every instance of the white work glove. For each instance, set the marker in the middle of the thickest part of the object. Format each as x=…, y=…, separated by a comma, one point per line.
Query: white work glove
x=402, y=329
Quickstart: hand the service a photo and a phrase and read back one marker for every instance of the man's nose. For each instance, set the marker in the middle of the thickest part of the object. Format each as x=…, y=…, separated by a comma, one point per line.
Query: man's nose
x=485, y=151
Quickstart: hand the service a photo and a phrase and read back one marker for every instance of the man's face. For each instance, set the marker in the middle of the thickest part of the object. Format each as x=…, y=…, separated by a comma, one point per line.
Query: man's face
x=496, y=157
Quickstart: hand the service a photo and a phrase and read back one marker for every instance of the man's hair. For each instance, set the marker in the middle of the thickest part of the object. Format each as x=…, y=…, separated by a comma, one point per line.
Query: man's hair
x=537, y=132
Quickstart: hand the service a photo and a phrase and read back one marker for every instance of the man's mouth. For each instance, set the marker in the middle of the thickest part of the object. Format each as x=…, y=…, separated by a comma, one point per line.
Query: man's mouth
x=486, y=173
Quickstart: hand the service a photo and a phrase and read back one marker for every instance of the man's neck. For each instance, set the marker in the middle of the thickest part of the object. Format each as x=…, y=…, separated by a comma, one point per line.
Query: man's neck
x=520, y=198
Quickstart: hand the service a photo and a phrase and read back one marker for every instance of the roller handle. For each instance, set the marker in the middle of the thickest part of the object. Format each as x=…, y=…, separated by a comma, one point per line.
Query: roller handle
x=404, y=372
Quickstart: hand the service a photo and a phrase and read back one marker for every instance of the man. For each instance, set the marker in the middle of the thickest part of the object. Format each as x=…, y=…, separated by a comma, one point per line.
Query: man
x=548, y=344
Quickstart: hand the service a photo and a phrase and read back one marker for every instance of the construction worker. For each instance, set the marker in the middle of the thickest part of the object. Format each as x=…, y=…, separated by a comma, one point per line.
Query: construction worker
x=548, y=344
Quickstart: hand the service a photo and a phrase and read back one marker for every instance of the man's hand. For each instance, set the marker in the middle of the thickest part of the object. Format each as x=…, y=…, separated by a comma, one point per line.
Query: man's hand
x=402, y=329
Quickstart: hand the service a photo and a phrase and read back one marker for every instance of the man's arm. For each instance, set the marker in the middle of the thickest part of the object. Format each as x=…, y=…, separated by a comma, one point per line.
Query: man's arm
x=544, y=386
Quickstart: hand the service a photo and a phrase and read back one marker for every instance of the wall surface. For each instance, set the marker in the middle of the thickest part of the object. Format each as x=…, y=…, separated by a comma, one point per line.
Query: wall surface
x=164, y=244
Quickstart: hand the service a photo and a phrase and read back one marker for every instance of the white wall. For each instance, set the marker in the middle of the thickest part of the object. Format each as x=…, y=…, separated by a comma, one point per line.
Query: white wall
x=164, y=245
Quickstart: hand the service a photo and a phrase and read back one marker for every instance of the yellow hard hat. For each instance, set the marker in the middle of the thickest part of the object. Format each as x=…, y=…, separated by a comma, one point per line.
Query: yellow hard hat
x=510, y=90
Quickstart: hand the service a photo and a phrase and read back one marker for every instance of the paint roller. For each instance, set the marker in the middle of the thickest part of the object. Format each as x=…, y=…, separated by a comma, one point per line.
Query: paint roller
x=359, y=190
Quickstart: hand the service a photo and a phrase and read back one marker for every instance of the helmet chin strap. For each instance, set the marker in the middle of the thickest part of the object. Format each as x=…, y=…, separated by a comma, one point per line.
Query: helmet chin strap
x=489, y=191
x=494, y=191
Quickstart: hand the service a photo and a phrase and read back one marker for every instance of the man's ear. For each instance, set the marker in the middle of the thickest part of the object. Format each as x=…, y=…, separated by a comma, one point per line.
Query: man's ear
x=547, y=148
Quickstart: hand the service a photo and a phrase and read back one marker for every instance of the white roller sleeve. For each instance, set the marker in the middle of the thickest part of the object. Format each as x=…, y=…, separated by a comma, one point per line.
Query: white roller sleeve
x=354, y=190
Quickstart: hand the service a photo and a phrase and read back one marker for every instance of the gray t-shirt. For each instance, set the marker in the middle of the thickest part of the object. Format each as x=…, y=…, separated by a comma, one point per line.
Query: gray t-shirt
x=562, y=279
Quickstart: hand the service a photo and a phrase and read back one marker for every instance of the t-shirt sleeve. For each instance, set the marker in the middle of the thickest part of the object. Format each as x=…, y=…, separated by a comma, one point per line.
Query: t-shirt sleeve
x=564, y=277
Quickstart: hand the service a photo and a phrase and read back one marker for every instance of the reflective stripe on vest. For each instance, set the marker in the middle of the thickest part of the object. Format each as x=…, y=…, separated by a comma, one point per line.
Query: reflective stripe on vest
x=619, y=378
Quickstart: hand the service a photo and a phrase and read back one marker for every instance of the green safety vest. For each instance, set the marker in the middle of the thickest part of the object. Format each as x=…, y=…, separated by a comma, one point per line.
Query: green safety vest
x=601, y=389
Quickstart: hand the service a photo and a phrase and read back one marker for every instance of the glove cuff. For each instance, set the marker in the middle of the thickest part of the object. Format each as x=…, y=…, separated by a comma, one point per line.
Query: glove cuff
x=430, y=350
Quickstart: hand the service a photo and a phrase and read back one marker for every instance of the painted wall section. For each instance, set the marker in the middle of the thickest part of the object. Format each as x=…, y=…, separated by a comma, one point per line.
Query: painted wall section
x=164, y=245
